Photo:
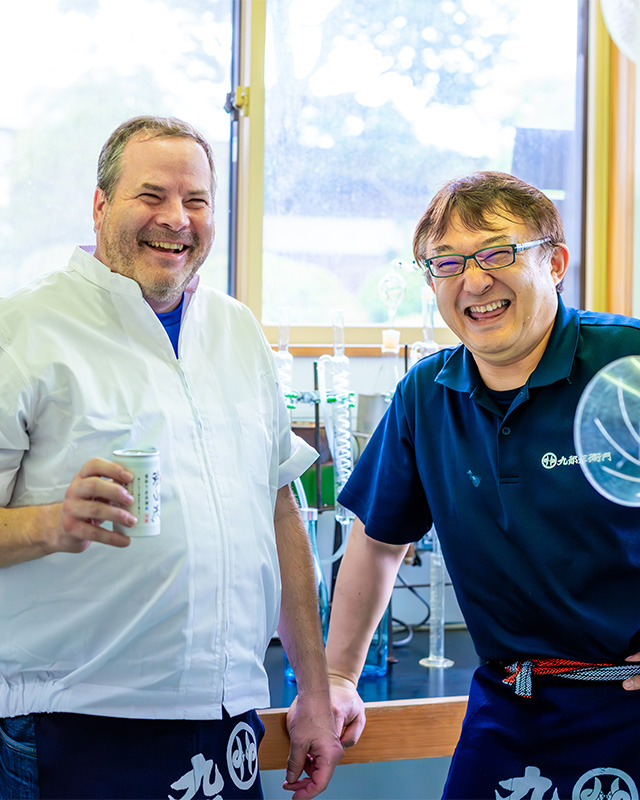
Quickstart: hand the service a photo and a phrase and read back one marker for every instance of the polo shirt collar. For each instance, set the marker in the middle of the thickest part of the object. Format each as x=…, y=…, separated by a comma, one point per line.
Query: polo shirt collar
x=557, y=360
x=461, y=373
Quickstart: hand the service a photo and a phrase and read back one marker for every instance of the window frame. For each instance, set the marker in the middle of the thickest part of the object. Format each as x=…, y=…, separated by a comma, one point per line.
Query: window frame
x=610, y=209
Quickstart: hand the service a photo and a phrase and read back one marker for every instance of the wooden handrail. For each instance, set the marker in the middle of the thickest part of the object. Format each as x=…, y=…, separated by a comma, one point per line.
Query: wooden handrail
x=395, y=730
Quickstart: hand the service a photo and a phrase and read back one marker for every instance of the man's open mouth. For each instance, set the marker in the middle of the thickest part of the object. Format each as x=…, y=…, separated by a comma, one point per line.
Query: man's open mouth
x=169, y=247
x=488, y=310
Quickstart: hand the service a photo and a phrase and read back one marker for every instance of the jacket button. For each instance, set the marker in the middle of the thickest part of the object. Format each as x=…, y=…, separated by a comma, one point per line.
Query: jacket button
x=505, y=431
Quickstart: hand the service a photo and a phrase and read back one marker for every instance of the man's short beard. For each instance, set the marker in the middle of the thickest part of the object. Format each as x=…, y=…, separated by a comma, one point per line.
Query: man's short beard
x=120, y=259
x=163, y=294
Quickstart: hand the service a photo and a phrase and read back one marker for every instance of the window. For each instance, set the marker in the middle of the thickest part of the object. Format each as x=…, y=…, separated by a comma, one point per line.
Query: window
x=369, y=107
x=84, y=67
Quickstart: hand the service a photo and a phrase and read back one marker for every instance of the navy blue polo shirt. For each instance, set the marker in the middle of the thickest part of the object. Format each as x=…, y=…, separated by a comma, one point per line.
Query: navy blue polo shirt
x=542, y=564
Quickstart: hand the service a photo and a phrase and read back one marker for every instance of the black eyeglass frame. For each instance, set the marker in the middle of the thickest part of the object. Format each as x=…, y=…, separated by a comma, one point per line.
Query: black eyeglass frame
x=515, y=248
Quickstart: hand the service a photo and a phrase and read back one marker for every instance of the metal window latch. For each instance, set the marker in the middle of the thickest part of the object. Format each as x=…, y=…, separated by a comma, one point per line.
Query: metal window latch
x=238, y=101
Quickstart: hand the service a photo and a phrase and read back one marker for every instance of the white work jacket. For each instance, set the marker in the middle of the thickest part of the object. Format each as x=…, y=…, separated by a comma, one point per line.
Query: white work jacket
x=174, y=626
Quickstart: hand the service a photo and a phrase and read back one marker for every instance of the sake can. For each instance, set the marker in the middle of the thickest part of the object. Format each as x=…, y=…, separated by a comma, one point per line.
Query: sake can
x=144, y=465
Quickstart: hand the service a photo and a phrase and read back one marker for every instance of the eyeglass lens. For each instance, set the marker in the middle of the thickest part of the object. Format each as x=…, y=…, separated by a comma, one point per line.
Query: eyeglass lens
x=489, y=258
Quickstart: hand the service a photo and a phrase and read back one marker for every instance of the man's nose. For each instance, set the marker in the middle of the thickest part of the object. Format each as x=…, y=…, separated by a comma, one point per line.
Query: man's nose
x=173, y=215
x=476, y=280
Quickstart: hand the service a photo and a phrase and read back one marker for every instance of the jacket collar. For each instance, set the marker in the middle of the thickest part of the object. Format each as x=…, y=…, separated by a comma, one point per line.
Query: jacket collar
x=84, y=262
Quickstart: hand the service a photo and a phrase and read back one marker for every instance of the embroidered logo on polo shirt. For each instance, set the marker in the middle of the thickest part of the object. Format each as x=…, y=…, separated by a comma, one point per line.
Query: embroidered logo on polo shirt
x=475, y=479
x=551, y=460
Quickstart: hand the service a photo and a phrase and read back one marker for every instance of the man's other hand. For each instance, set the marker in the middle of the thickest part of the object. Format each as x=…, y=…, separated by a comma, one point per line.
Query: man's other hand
x=314, y=746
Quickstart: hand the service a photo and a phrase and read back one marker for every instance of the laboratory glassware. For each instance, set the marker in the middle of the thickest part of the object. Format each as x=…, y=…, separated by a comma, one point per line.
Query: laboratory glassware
x=336, y=402
x=284, y=359
x=310, y=518
x=427, y=346
x=436, y=657
x=376, y=663
x=391, y=289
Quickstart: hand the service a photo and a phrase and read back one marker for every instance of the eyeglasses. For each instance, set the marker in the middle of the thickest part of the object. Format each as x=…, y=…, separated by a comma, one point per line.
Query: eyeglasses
x=496, y=257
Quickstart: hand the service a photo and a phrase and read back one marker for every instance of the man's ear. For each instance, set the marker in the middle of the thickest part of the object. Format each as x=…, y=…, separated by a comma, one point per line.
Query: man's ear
x=99, y=204
x=428, y=278
x=559, y=262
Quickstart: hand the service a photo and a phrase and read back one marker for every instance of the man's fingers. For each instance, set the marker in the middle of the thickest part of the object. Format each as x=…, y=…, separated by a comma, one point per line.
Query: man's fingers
x=92, y=531
x=632, y=684
x=295, y=765
x=298, y=788
x=100, y=510
x=306, y=787
x=82, y=532
x=95, y=496
x=91, y=500
x=94, y=487
x=351, y=733
x=633, y=658
x=101, y=468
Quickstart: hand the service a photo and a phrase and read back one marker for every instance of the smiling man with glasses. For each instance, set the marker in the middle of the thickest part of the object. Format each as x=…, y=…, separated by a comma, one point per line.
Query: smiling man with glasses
x=478, y=441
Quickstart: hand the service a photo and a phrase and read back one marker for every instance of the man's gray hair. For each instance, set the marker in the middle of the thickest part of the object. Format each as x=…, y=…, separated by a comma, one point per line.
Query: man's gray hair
x=110, y=160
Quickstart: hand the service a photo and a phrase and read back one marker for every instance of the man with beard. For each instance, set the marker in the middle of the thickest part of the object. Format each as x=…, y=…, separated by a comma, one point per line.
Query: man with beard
x=132, y=667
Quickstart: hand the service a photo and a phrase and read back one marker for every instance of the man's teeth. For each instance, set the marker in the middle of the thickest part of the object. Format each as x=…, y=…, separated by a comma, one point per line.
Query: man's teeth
x=488, y=307
x=177, y=248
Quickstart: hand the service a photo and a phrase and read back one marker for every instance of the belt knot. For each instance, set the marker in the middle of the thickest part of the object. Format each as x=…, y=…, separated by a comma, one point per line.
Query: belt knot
x=521, y=673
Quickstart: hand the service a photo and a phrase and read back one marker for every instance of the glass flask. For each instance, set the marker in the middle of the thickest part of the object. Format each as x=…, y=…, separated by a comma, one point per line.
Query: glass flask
x=376, y=664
